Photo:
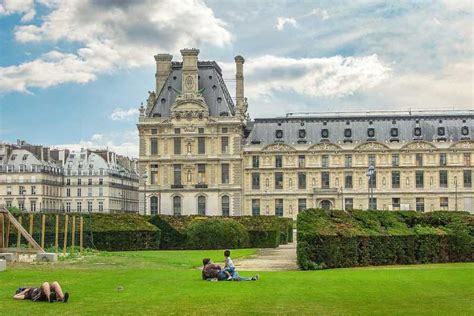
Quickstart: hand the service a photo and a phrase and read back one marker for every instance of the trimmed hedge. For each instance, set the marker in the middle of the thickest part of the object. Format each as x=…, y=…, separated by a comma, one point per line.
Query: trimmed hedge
x=111, y=232
x=336, y=239
x=216, y=233
x=262, y=231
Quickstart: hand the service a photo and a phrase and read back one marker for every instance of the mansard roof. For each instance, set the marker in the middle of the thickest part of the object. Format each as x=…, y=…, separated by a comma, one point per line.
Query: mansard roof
x=386, y=127
x=210, y=82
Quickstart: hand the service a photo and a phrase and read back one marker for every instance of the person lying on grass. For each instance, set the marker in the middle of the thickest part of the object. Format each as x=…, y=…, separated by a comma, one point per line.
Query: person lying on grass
x=45, y=293
x=213, y=272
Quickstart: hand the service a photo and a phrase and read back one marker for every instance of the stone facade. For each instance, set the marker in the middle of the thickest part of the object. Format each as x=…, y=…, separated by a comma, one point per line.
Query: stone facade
x=36, y=178
x=200, y=153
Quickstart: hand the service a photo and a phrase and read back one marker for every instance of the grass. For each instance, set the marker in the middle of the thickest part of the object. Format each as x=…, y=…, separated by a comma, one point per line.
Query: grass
x=168, y=282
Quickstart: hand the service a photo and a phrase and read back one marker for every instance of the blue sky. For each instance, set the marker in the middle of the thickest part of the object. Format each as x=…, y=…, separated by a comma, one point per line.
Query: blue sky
x=73, y=73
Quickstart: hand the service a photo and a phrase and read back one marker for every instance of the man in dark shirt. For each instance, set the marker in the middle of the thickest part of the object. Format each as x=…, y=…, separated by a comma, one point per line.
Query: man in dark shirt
x=211, y=271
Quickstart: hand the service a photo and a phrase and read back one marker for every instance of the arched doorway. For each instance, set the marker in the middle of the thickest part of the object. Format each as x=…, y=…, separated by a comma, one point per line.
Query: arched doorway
x=325, y=205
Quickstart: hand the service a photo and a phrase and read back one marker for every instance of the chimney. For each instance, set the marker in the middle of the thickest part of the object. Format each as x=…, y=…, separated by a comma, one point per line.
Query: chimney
x=163, y=69
x=190, y=70
x=239, y=80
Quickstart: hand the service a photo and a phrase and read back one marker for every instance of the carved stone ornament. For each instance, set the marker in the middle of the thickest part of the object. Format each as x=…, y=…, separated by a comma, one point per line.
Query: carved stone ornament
x=278, y=147
x=466, y=144
x=324, y=147
x=372, y=146
x=418, y=145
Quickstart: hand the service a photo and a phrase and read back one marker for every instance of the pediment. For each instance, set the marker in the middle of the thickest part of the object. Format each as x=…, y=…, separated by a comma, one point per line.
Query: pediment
x=464, y=144
x=372, y=146
x=278, y=147
x=418, y=145
x=324, y=147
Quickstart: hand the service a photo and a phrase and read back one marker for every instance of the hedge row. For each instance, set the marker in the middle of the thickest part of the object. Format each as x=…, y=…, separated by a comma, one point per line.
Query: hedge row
x=336, y=239
x=111, y=232
x=199, y=232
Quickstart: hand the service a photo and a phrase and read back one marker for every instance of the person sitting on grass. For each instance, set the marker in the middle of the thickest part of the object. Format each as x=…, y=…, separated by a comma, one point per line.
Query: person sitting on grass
x=229, y=267
x=45, y=293
x=213, y=272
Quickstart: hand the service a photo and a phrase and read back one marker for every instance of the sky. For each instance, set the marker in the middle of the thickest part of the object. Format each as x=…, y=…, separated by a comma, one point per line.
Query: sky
x=74, y=73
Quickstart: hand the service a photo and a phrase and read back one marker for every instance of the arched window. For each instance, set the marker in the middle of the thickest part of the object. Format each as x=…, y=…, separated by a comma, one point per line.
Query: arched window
x=202, y=205
x=177, y=205
x=225, y=205
x=154, y=205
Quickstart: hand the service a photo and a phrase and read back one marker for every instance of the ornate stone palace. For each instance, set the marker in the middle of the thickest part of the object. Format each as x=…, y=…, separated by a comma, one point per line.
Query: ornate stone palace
x=200, y=153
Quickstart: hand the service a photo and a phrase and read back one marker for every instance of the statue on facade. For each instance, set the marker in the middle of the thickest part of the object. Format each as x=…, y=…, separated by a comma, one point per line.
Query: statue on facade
x=151, y=99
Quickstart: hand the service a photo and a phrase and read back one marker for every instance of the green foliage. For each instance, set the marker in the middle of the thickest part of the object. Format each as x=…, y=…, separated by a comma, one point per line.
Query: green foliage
x=335, y=239
x=110, y=232
x=263, y=231
x=216, y=233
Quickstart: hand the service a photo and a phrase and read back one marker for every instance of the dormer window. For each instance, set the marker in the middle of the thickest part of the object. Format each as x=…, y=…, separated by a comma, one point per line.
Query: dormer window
x=163, y=100
x=219, y=100
x=441, y=131
x=394, y=132
x=302, y=133
x=464, y=130
x=279, y=133
x=417, y=131
x=324, y=133
x=371, y=132
x=347, y=133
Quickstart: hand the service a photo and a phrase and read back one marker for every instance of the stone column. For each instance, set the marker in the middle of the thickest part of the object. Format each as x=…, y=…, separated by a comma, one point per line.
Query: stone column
x=190, y=70
x=239, y=79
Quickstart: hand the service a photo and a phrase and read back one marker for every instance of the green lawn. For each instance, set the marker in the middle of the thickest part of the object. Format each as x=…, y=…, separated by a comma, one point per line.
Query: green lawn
x=164, y=282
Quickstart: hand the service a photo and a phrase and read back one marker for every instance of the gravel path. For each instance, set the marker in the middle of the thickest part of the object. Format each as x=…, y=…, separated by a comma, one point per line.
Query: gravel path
x=282, y=258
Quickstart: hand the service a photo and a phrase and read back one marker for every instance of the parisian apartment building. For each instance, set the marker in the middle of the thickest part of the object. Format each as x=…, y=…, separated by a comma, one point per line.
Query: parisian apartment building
x=38, y=178
x=199, y=152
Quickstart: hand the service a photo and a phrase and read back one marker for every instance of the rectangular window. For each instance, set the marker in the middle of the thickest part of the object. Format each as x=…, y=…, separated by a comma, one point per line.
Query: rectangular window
x=89, y=192
x=278, y=180
x=68, y=181
x=467, y=159
x=154, y=146
x=89, y=206
x=348, y=180
x=301, y=205
x=33, y=206
x=201, y=130
x=255, y=207
x=225, y=173
x=443, y=203
x=177, y=130
x=325, y=180
x=420, y=204
x=33, y=190
x=301, y=180
x=177, y=174
x=101, y=206
x=201, y=173
x=372, y=203
x=279, y=207
x=395, y=160
x=419, y=179
x=101, y=191
x=9, y=190
x=325, y=161
x=396, y=204
x=101, y=181
x=395, y=179
x=68, y=192
x=301, y=161
x=89, y=181
x=68, y=207
x=154, y=131
x=255, y=181
x=373, y=180
x=419, y=160
x=79, y=207
x=79, y=191
x=21, y=190
x=21, y=205
x=79, y=181
x=278, y=161
x=255, y=162
x=177, y=146
x=154, y=174
x=348, y=161
x=467, y=178
x=225, y=145
x=349, y=204
x=443, y=178
x=371, y=160
x=201, y=145
x=443, y=160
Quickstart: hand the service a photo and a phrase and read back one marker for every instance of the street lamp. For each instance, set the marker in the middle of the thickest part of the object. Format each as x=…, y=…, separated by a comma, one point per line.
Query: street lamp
x=370, y=192
x=144, y=177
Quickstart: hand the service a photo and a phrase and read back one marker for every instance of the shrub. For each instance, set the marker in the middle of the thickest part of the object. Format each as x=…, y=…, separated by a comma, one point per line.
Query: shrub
x=334, y=239
x=216, y=233
x=264, y=231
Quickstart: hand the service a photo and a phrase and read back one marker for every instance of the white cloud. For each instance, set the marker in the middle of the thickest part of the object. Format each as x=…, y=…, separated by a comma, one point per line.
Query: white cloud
x=25, y=7
x=124, y=114
x=315, y=77
x=124, y=143
x=112, y=34
x=282, y=21
x=320, y=13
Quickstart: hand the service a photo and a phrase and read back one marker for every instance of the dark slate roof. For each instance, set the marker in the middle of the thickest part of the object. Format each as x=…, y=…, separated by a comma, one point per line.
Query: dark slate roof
x=455, y=123
x=215, y=92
